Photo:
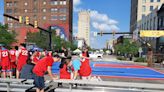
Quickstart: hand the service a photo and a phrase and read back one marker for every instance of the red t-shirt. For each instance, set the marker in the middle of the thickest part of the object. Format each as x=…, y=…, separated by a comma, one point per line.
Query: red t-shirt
x=5, y=58
x=13, y=55
x=64, y=74
x=41, y=67
x=23, y=56
x=35, y=59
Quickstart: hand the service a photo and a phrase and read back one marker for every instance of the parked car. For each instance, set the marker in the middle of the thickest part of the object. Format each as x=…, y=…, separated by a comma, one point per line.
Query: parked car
x=96, y=55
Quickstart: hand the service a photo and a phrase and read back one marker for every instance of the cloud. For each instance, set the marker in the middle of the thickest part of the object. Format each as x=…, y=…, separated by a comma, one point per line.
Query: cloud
x=102, y=26
x=102, y=22
x=76, y=2
x=96, y=16
x=99, y=21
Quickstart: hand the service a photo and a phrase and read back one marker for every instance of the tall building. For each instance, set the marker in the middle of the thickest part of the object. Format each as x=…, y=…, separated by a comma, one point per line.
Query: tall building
x=55, y=13
x=140, y=9
x=84, y=26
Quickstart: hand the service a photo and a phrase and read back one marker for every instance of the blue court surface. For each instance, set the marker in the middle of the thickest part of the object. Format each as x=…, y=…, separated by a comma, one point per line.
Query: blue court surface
x=120, y=70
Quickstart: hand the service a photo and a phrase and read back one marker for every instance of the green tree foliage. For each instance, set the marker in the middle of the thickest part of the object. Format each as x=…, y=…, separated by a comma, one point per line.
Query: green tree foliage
x=42, y=40
x=127, y=47
x=6, y=37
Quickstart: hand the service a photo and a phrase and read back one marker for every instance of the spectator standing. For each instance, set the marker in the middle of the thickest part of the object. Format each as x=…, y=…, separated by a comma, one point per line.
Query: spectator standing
x=5, y=62
x=22, y=58
x=13, y=57
x=85, y=69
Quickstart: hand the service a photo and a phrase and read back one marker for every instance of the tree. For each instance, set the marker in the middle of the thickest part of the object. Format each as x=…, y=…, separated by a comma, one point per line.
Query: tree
x=127, y=47
x=42, y=40
x=7, y=37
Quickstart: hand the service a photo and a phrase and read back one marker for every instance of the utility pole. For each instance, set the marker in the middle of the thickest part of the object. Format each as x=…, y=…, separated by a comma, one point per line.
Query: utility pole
x=50, y=38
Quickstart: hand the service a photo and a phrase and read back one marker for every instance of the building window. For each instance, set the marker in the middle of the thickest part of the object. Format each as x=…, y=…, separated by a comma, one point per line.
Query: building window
x=151, y=8
x=54, y=17
x=35, y=2
x=54, y=2
x=8, y=4
x=35, y=10
x=63, y=2
x=15, y=3
x=62, y=17
x=44, y=17
x=16, y=25
x=10, y=25
x=35, y=16
x=44, y=3
x=158, y=0
x=15, y=10
x=8, y=10
x=143, y=1
x=63, y=10
x=44, y=10
x=9, y=19
x=25, y=3
x=143, y=16
x=54, y=10
x=151, y=0
x=25, y=10
x=143, y=8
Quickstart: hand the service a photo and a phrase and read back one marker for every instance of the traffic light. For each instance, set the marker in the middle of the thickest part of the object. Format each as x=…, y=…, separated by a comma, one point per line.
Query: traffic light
x=35, y=24
x=20, y=19
x=27, y=20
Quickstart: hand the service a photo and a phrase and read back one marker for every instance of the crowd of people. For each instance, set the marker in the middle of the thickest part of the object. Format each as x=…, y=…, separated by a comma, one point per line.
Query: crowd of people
x=18, y=62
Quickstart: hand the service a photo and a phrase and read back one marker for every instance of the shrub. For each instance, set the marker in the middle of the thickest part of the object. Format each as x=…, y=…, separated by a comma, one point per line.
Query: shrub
x=140, y=59
x=121, y=58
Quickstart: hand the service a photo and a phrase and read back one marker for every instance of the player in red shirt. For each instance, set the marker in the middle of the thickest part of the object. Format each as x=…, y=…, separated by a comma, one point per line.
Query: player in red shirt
x=13, y=59
x=22, y=58
x=35, y=57
x=64, y=71
x=40, y=68
x=85, y=69
x=5, y=62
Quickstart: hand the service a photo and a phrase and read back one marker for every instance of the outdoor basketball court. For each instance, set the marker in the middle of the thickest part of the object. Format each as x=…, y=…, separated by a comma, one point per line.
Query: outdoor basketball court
x=120, y=70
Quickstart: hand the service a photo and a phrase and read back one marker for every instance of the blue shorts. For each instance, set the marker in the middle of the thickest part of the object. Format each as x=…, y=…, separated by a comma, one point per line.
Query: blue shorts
x=39, y=82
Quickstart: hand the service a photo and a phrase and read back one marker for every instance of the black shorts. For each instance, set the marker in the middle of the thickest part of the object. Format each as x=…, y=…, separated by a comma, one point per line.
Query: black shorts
x=39, y=82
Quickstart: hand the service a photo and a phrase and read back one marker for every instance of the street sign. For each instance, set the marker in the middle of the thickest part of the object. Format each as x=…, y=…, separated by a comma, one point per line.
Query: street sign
x=127, y=36
x=151, y=33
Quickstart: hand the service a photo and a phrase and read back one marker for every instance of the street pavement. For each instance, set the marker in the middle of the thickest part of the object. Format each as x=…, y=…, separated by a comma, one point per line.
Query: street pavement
x=111, y=58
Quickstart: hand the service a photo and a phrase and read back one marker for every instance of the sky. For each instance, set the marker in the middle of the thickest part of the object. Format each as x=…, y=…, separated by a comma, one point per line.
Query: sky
x=106, y=15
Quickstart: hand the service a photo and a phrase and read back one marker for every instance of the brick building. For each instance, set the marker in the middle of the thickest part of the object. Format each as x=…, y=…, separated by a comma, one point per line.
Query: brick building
x=56, y=13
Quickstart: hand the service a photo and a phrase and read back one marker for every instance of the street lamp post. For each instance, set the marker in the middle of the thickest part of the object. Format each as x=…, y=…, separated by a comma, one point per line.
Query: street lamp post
x=113, y=36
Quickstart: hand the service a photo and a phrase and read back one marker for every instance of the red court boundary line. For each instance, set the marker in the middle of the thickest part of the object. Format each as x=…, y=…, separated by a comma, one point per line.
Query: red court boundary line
x=137, y=78
x=118, y=66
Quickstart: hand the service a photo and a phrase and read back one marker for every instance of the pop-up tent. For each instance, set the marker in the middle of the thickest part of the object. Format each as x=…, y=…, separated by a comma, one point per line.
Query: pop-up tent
x=77, y=51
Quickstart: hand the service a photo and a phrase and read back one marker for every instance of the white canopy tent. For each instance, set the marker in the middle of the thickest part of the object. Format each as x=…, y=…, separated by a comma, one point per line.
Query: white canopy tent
x=77, y=51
